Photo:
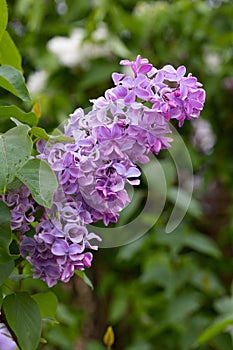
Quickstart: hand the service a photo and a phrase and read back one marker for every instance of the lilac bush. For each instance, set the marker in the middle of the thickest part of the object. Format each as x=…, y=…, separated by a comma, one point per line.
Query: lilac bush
x=121, y=129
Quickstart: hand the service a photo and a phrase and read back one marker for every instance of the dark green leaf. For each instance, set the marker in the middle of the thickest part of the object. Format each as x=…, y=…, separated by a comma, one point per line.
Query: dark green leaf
x=29, y=118
x=5, y=271
x=37, y=175
x=15, y=150
x=13, y=81
x=3, y=17
x=1, y=297
x=9, y=53
x=5, y=233
x=47, y=303
x=23, y=317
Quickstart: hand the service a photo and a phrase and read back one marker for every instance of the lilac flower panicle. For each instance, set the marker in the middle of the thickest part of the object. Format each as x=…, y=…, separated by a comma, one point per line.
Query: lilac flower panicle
x=121, y=129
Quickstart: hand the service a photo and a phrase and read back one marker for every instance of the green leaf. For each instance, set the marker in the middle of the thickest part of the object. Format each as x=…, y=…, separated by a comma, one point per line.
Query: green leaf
x=5, y=271
x=95, y=345
x=47, y=303
x=15, y=151
x=13, y=81
x=42, y=135
x=37, y=175
x=5, y=233
x=181, y=307
x=84, y=277
x=29, y=118
x=119, y=306
x=9, y=53
x=15, y=277
x=202, y=244
x=184, y=201
x=118, y=47
x=1, y=297
x=215, y=329
x=23, y=317
x=3, y=17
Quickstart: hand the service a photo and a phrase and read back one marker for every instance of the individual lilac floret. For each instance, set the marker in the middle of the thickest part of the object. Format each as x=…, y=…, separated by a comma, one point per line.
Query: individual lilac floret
x=140, y=66
x=6, y=341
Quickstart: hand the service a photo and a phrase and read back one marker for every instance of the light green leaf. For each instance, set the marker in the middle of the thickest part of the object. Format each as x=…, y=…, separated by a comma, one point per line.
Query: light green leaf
x=15, y=151
x=119, y=306
x=5, y=271
x=15, y=277
x=47, y=303
x=23, y=317
x=5, y=233
x=84, y=277
x=182, y=306
x=215, y=329
x=183, y=201
x=202, y=244
x=13, y=81
x=9, y=53
x=42, y=135
x=118, y=47
x=3, y=17
x=29, y=118
x=37, y=175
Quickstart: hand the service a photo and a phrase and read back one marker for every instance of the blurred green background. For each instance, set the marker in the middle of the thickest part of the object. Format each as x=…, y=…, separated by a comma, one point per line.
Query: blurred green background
x=163, y=290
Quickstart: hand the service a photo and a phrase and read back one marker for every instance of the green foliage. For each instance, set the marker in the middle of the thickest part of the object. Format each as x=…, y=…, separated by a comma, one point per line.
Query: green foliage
x=215, y=329
x=23, y=316
x=5, y=270
x=15, y=151
x=6, y=235
x=41, y=134
x=164, y=291
x=9, y=53
x=15, y=112
x=12, y=80
x=37, y=175
x=85, y=278
x=3, y=18
x=47, y=303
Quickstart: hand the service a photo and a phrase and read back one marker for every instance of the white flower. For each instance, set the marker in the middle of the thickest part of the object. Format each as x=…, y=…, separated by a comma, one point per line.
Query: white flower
x=204, y=139
x=36, y=81
x=74, y=50
x=213, y=61
x=67, y=49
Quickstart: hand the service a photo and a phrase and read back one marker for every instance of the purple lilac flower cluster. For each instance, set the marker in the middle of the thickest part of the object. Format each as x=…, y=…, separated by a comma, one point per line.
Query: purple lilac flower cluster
x=125, y=125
